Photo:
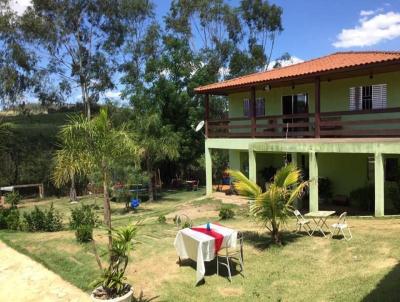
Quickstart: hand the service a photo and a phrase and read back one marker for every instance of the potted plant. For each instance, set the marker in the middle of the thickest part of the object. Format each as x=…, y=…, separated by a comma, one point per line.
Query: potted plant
x=111, y=285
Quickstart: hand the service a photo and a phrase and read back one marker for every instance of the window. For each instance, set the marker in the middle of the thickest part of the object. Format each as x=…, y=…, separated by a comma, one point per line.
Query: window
x=368, y=97
x=246, y=107
x=260, y=107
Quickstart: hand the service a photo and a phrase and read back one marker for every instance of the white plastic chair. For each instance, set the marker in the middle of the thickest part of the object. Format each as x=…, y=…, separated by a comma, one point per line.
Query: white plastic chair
x=231, y=253
x=302, y=223
x=340, y=226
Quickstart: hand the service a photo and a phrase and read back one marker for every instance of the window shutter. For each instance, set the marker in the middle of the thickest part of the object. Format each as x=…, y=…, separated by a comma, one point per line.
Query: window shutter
x=246, y=107
x=379, y=96
x=260, y=107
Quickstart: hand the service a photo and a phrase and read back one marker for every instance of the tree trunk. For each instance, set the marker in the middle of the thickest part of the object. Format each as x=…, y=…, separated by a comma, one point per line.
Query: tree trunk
x=275, y=233
x=72, y=190
x=107, y=210
x=150, y=174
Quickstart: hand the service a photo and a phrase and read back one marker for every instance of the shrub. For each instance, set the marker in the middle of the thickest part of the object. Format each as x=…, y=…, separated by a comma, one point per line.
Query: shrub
x=10, y=219
x=84, y=233
x=226, y=213
x=13, y=199
x=83, y=220
x=43, y=220
x=161, y=219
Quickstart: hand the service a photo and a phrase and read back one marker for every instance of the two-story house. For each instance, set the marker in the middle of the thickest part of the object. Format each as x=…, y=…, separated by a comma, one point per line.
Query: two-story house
x=337, y=117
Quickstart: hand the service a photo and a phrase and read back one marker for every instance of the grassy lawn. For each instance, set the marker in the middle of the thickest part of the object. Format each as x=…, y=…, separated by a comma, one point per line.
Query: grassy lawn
x=304, y=269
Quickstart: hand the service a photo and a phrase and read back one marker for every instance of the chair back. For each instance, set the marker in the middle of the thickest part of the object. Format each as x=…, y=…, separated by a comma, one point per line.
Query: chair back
x=240, y=239
x=298, y=215
x=342, y=217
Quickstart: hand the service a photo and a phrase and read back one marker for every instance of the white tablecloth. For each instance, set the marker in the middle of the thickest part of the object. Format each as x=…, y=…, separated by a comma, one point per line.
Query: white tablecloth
x=190, y=244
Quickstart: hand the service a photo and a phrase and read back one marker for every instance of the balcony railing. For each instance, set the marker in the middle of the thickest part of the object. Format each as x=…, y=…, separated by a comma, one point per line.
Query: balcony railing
x=366, y=123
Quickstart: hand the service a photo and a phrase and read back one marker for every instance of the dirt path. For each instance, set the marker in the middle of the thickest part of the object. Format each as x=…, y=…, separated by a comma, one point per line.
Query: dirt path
x=22, y=279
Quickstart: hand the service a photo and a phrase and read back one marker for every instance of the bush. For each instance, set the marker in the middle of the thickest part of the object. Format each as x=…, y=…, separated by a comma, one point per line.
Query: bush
x=43, y=220
x=13, y=199
x=226, y=213
x=84, y=233
x=162, y=219
x=10, y=219
x=83, y=220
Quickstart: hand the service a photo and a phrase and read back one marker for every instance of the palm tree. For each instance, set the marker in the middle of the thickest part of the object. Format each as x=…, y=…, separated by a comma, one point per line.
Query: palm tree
x=88, y=146
x=274, y=206
x=158, y=142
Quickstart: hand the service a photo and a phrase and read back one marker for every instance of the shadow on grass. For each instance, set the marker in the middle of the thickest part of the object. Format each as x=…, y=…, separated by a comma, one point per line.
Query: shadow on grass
x=264, y=241
x=211, y=268
x=387, y=289
x=142, y=298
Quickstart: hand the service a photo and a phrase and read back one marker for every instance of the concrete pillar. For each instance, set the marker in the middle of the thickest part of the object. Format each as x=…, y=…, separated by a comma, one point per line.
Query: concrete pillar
x=294, y=159
x=208, y=171
x=252, y=166
x=379, y=185
x=313, y=172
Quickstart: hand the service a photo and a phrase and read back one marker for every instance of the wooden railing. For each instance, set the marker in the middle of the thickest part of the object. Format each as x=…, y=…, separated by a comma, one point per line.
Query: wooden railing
x=368, y=123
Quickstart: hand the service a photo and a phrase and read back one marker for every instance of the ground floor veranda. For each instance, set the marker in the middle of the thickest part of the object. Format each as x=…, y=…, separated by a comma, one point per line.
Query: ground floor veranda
x=342, y=172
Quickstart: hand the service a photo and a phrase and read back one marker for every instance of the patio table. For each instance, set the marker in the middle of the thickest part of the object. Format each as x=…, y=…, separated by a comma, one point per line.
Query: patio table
x=319, y=218
x=200, y=247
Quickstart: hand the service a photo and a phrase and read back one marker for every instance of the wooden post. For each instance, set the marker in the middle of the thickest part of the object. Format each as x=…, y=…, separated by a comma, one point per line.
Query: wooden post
x=207, y=113
x=253, y=111
x=317, y=117
x=41, y=191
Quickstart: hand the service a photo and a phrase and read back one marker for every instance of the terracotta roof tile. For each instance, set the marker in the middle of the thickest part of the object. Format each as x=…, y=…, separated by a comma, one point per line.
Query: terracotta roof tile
x=333, y=62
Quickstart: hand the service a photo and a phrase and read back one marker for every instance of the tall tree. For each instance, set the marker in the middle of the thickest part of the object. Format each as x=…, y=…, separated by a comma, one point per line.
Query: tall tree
x=17, y=64
x=77, y=42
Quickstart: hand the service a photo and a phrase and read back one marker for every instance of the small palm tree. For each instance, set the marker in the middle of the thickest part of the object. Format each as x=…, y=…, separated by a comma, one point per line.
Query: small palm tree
x=274, y=206
x=88, y=146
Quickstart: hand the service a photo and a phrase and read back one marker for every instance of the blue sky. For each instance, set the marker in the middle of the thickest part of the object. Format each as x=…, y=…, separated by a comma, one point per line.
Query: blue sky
x=312, y=26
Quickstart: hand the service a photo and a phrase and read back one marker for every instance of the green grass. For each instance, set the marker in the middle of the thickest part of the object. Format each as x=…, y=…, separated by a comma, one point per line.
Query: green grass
x=303, y=269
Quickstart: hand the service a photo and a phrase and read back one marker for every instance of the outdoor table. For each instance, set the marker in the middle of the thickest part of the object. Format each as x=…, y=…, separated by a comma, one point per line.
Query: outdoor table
x=319, y=218
x=200, y=247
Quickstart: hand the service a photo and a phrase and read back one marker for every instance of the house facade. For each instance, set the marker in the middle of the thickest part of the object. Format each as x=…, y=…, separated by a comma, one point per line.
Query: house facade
x=336, y=117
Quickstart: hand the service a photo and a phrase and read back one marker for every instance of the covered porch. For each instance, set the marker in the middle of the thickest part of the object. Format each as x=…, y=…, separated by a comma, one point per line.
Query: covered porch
x=347, y=167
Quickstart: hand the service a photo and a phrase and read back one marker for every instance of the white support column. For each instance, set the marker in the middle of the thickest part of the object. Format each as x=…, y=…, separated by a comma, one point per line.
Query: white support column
x=252, y=166
x=208, y=171
x=379, y=185
x=313, y=172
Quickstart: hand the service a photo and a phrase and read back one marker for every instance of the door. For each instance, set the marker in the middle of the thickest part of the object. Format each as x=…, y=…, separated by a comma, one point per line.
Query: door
x=295, y=104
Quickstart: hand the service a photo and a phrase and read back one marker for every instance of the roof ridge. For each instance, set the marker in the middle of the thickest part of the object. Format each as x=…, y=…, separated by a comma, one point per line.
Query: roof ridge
x=367, y=51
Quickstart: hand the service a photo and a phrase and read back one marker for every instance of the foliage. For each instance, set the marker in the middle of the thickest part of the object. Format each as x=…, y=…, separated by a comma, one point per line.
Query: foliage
x=84, y=233
x=43, y=220
x=89, y=146
x=13, y=198
x=122, y=194
x=113, y=278
x=226, y=213
x=162, y=219
x=83, y=220
x=363, y=198
x=273, y=207
x=10, y=219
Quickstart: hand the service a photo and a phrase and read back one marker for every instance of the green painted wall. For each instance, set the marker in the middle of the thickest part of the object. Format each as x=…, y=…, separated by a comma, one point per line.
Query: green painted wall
x=345, y=171
x=239, y=160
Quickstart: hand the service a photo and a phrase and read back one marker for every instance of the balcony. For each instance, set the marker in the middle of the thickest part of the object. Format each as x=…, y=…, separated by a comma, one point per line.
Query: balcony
x=368, y=123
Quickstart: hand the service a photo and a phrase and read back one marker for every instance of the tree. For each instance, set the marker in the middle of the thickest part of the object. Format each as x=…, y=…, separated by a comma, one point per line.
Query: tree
x=88, y=146
x=17, y=64
x=78, y=43
x=274, y=206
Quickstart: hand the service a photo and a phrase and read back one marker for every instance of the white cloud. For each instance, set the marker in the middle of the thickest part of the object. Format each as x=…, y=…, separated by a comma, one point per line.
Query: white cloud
x=373, y=28
x=283, y=63
x=19, y=6
x=112, y=94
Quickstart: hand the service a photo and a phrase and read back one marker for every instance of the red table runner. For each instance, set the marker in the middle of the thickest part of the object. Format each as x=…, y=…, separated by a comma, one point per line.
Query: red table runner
x=217, y=236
